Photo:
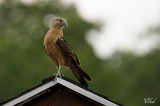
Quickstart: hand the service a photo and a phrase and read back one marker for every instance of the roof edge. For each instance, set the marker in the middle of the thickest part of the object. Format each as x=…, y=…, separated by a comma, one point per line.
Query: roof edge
x=51, y=81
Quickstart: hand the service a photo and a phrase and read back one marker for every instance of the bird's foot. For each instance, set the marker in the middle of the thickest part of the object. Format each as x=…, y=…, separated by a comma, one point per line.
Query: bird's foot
x=58, y=74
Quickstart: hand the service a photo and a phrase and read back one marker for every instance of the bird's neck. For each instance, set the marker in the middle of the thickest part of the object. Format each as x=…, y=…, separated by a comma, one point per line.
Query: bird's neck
x=58, y=27
x=57, y=32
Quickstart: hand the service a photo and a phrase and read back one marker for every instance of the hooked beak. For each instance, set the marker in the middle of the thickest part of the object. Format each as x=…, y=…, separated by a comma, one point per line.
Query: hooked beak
x=64, y=23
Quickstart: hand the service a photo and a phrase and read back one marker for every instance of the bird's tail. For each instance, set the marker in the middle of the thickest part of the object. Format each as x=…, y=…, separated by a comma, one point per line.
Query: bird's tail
x=85, y=74
x=77, y=72
x=80, y=74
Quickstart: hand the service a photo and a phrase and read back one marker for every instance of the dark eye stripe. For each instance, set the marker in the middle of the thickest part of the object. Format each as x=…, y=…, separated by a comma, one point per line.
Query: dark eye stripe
x=58, y=20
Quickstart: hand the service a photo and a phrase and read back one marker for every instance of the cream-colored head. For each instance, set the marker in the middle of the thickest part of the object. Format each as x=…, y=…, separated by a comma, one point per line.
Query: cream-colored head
x=59, y=23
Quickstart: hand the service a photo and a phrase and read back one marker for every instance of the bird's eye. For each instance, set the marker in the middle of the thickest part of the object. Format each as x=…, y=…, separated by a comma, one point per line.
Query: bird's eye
x=60, y=20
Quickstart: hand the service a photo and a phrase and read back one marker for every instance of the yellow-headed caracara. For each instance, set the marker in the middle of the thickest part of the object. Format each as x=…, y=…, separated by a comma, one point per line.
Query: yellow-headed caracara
x=59, y=50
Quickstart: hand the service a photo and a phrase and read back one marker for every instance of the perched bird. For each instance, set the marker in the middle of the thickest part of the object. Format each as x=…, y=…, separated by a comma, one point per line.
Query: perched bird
x=59, y=50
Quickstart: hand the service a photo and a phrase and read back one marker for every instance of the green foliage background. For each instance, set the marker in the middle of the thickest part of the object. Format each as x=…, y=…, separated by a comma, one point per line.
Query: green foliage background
x=124, y=77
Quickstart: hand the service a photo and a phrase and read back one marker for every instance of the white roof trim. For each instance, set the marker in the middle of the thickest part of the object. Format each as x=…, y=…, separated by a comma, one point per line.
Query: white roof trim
x=64, y=83
x=30, y=94
x=85, y=92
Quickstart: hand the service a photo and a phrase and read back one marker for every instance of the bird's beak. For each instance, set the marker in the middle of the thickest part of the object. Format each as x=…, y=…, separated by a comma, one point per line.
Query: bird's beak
x=64, y=23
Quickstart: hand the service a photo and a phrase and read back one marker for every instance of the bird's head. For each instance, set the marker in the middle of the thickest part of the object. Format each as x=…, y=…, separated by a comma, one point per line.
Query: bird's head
x=59, y=23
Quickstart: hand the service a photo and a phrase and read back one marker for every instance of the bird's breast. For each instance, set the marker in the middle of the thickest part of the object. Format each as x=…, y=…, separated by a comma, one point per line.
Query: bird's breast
x=54, y=52
x=51, y=47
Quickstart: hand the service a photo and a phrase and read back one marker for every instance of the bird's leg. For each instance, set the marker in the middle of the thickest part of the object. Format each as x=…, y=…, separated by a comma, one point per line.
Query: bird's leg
x=59, y=73
x=59, y=69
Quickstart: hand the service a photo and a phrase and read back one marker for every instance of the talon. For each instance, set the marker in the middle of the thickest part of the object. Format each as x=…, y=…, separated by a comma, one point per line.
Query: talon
x=60, y=75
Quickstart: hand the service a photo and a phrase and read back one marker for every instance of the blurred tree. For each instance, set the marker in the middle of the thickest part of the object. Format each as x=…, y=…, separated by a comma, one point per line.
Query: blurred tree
x=132, y=78
x=124, y=77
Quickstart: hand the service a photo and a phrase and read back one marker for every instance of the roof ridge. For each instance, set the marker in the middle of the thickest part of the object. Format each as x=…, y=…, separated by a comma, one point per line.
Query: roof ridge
x=51, y=78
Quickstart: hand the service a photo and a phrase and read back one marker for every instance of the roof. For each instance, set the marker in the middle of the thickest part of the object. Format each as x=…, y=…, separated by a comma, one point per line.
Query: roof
x=50, y=82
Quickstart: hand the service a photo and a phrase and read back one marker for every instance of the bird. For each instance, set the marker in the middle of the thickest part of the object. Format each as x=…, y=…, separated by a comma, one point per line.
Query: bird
x=59, y=50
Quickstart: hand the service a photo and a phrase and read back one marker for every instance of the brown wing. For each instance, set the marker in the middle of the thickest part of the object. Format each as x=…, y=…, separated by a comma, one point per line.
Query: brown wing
x=64, y=46
x=72, y=60
x=68, y=52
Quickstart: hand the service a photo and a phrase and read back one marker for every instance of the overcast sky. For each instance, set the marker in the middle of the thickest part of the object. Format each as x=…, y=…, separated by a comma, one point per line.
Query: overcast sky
x=123, y=22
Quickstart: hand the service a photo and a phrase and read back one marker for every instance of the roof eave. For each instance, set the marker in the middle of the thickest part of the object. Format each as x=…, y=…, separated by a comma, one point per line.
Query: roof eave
x=51, y=82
